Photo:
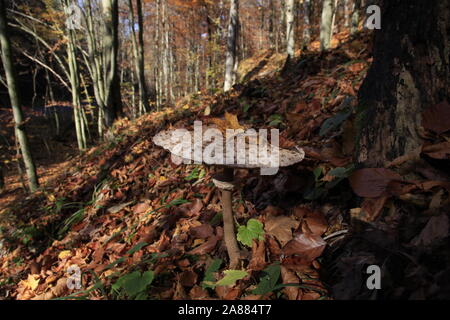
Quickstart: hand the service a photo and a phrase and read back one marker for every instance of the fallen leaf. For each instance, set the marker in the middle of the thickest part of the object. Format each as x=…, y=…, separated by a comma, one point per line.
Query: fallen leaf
x=258, y=261
x=306, y=245
x=32, y=281
x=438, y=151
x=437, y=118
x=206, y=247
x=281, y=227
x=202, y=232
x=436, y=229
x=372, y=182
x=289, y=277
x=64, y=254
x=316, y=222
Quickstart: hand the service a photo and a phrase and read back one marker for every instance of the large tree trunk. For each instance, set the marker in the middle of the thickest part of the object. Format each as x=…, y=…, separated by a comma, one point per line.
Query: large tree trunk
x=14, y=96
x=231, y=44
x=290, y=39
x=410, y=73
x=326, y=24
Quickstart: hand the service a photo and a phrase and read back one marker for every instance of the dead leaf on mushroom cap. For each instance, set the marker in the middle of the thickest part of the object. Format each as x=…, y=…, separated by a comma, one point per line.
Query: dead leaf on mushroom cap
x=306, y=245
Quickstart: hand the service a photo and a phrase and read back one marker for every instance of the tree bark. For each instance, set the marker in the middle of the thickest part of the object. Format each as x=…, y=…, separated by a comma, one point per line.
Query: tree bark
x=355, y=16
x=326, y=25
x=290, y=37
x=410, y=73
x=113, y=103
x=2, y=179
x=138, y=54
x=306, y=23
x=14, y=96
x=231, y=44
x=75, y=85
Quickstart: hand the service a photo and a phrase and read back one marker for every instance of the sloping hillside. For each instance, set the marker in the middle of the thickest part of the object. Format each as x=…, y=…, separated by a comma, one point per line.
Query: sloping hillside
x=138, y=226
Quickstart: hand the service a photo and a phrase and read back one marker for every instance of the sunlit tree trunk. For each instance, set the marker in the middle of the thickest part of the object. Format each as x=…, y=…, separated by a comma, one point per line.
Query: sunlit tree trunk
x=75, y=84
x=231, y=44
x=347, y=13
x=325, y=24
x=14, y=96
x=333, y=20
x=409, y=73
x=355, y=16
x=290, y=37
x=306, y=23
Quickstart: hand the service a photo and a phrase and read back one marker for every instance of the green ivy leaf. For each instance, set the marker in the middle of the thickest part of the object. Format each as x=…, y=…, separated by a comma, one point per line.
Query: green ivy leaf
x=269, y=281
x=341, y=172
x=230, y=278
x=253, y=230
x=209, y=273
x=135, y=282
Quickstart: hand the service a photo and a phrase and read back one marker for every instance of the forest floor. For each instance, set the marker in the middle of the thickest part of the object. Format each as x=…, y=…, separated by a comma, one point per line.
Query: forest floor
x=137, y=226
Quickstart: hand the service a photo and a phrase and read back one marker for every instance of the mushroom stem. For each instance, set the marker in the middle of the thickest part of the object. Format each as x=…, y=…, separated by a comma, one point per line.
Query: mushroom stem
x=224, y=181
x=228, y=230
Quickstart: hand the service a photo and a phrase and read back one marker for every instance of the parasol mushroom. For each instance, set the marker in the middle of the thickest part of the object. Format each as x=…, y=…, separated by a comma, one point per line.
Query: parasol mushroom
x=179, y=143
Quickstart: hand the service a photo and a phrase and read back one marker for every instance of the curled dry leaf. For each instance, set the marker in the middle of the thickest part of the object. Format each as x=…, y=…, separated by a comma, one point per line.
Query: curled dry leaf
x=188, y=278
x=316, y=222
x=306, y=245
x=371, y=208
x=281, y=227
x=289, y=277
x=435, y=230
x=372, y=182
x=258, y=261
x=437, y=118
x=438, y=151
x=274, y=248
x=198, y=293
x=203, y=231
x=206, y=247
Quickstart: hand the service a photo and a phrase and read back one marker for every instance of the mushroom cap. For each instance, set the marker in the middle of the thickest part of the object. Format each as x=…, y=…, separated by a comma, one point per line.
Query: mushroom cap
x=170, y=141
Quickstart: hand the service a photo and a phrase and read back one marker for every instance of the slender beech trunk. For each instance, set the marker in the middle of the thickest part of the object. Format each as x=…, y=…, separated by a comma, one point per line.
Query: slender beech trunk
x=290, y=28
x=347, y=13
x=113, y=103
x=271, y=24
x=355, y=16
x=306, y=23
x=2, y=179
x=14, y=96
x=333, y=20
x=325, y=24
x=409, y=73
x=231, y=44
x=138, y=53
x=80, y=127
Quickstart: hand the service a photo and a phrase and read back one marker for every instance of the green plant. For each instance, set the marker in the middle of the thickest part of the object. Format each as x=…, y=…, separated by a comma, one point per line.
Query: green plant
x=253, y=230
x=133, y=285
